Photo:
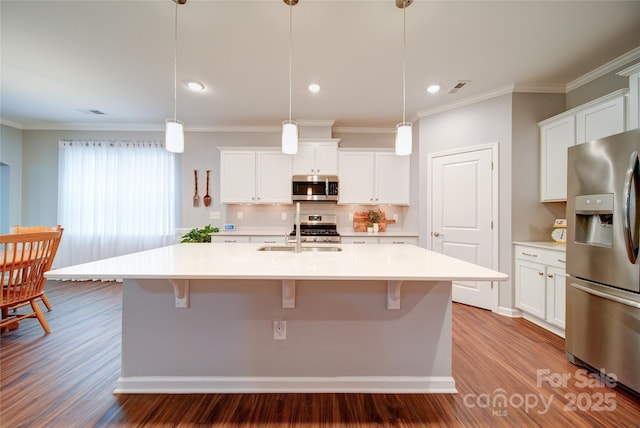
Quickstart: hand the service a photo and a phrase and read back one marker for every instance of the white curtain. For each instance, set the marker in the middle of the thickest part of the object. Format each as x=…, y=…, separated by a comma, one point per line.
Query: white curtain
x=114, y=198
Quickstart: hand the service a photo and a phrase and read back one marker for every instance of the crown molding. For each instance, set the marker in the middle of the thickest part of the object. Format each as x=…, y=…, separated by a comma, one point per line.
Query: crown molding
x=11, y=123
x=468, y=101
x=632, y=55
x=629, y=70
x=540, y=88
x=357, y=130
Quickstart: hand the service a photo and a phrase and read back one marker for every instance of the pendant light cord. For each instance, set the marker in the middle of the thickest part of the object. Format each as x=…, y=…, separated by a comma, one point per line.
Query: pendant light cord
x=290, y=52
x=175, y=63
x=404, y=62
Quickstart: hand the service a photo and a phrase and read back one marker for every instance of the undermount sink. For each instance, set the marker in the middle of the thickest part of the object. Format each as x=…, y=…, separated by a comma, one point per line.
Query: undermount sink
x=293, y=248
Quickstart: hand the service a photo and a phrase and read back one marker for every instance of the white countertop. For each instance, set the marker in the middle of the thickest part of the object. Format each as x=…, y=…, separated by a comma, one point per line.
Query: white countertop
x=281, y=232
x=545, y=245
x=235, y=261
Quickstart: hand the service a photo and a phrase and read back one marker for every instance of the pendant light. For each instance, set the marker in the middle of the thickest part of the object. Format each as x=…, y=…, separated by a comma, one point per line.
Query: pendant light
x=174, y=132
x=404, y=137
x=290, y=127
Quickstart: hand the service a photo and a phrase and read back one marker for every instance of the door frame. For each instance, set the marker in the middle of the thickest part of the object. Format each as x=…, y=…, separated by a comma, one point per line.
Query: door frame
x=495, y=188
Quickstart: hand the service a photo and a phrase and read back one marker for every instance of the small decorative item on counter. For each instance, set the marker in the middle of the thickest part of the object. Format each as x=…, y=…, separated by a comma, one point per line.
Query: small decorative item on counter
x=369, y=227
x=376, y=217
x=199, y=235
x=361, y=218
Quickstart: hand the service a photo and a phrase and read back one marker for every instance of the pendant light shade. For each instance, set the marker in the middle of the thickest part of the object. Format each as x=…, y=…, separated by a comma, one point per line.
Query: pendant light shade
x=289, y=137
x=290, y=127
x=174, y=129
x=404, y=139
x=174, y=136
x=404, y=134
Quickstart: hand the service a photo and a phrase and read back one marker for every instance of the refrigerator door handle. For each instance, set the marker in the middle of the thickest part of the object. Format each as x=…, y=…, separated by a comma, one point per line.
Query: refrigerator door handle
x=607, y=296
x=631, y=176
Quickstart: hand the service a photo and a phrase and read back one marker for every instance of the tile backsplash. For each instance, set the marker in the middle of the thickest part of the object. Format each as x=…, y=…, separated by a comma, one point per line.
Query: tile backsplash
x=271, y=216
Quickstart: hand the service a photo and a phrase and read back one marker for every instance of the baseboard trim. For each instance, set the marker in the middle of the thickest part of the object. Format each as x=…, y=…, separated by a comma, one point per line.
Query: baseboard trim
x=537, y=321
x=509, y=312
x=242, y=384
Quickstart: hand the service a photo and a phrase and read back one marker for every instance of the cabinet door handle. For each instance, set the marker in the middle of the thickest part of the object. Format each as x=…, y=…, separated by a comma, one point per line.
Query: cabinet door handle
x=541, y=273
x=550, y=275
x=530, y=255
x=562, y=261
x=436, y=234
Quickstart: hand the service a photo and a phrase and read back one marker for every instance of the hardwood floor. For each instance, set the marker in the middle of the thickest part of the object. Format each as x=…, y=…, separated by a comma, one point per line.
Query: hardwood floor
x=66, y=379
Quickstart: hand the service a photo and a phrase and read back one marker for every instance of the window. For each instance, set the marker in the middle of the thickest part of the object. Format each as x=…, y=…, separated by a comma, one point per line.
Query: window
x=114, y=198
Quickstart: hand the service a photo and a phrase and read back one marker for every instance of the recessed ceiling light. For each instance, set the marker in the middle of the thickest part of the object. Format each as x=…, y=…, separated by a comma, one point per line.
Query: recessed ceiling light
x=314, y=87
x=433, y=89
x=195, y=86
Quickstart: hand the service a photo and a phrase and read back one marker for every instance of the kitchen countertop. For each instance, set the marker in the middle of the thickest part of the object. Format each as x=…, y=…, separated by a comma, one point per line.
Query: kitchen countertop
x=545, y=245
x=281, y=232
x=243, y=261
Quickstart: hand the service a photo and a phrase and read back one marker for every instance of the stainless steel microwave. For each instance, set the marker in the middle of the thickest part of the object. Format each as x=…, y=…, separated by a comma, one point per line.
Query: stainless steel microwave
x=315, y=188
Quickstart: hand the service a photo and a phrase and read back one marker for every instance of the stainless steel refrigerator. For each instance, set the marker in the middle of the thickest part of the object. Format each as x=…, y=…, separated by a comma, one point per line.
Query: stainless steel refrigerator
x=603, y=286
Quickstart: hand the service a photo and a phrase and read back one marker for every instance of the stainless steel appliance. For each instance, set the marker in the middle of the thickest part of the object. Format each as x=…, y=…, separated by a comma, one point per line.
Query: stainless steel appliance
x=318, y=228
x=603, y=286
x=322, y=188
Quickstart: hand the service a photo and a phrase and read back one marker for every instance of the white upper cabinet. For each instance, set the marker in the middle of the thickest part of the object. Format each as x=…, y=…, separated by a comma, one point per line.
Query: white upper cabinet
x=315, y=158
x=255, y=177
x=555, y=138
x=605, y=118
x=633, y=73
x=374, y=177
x=599, y=118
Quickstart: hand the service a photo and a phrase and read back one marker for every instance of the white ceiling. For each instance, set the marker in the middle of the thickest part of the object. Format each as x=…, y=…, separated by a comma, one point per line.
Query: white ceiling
x=61, y=57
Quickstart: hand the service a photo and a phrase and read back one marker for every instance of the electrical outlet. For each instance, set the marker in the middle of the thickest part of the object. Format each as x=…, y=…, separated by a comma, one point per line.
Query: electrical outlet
x=395, y=217
x=214, y=215
x=350, y=216
x=284, y=215
x=279, y=330
x=239, y=215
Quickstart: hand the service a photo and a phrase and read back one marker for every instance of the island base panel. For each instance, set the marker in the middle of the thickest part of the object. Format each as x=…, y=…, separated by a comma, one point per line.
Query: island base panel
x=340, y=338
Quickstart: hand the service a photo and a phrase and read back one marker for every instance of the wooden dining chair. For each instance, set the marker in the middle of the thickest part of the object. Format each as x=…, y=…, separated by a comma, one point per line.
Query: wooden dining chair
x=32, y=229
x=24, y=258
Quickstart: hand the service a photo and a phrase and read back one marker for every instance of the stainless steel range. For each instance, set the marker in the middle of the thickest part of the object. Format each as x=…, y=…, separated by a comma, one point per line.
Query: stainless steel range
x=318, y=228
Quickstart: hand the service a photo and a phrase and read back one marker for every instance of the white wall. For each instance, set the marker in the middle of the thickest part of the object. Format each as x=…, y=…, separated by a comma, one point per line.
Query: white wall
x=40, y=160
x=477, y=124
x=11, y=193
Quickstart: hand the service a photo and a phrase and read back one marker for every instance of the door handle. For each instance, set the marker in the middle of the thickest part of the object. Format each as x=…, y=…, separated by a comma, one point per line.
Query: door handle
x=629, y=180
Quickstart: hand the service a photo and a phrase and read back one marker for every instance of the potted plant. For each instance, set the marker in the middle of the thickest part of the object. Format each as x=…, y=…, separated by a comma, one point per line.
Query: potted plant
x=199, y=234
x=374, y=217
x=369, y=227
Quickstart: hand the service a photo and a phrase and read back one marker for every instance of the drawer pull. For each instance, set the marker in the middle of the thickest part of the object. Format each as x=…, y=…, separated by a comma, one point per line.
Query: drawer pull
x=358, y=242
x=229, y=241
x=398, y=242
x=562, y=261
x=530, y=255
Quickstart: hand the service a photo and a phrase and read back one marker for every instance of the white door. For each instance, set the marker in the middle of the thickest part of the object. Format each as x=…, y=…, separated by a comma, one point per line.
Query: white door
x=462, y=212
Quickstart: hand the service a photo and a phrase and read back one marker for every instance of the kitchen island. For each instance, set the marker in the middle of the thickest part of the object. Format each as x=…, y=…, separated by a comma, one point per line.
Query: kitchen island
x=211, y=318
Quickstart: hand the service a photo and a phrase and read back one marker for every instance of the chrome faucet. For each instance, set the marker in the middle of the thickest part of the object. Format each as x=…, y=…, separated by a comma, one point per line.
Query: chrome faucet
x=297, y=227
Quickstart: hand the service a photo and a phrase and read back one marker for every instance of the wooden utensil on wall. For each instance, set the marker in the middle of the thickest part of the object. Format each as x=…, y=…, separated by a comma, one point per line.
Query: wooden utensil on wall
x=196, y=198
x=207, y=198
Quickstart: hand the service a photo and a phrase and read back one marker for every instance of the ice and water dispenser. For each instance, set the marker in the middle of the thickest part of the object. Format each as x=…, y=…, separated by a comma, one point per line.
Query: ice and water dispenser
x=594, y=219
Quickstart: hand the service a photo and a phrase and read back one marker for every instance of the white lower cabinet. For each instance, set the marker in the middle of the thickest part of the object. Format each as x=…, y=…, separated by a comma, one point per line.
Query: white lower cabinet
x=540, y=281
x=367, y=240
x=229, y=239
x=397, y=240
x=411, y=240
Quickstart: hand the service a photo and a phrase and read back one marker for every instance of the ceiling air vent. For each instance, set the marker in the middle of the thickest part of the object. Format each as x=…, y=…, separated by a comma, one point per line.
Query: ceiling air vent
x=459, y=86
x=91, y=111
